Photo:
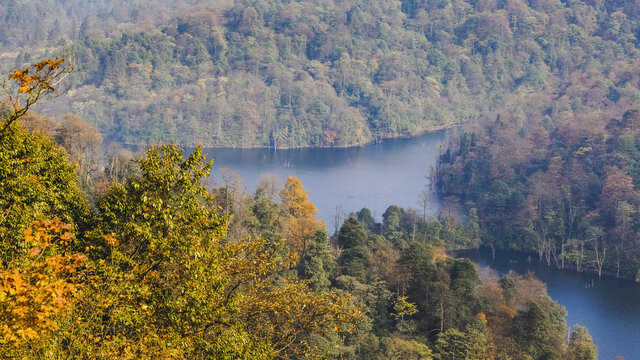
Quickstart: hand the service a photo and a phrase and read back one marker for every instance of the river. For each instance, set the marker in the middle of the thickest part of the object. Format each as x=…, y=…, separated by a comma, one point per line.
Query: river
x=344, y=180
x=394, y=172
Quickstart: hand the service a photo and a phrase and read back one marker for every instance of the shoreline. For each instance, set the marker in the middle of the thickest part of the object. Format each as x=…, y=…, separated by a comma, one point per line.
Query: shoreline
x=370, y=142
x=534, y=257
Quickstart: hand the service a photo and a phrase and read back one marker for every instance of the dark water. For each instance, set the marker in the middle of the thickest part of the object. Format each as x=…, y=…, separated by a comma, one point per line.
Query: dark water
x=608, y=307
x=392, y=172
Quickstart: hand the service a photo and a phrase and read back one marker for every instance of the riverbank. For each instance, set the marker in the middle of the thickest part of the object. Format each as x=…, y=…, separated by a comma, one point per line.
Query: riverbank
x=534, y=257
x=373, y=140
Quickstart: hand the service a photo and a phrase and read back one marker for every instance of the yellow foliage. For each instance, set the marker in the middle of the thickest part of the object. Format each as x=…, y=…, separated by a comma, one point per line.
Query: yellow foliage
x=301, y=225
x=41, y=79
x=36, y=289
x=32, y=84
x=295, y=199
x=440, y=254
x=482, y=317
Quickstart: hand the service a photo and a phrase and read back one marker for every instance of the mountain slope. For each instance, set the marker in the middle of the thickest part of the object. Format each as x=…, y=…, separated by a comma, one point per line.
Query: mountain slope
x=324, y=73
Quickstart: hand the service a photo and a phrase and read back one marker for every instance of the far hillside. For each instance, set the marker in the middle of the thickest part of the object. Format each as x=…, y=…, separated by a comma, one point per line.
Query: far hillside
x=326, y=73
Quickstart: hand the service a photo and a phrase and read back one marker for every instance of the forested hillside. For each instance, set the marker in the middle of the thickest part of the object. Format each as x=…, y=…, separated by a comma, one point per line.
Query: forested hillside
x=325, y=73
x=567, y=192
x=150, y=263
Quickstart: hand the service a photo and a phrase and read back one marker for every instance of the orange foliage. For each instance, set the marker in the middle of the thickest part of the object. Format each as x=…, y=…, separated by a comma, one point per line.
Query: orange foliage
x=295, y=199
x=40, y=80
x=32, y=293
x=33, y=83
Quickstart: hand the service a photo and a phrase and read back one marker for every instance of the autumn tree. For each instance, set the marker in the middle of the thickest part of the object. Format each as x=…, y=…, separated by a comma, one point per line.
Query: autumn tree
x=82, y=141
x=33, y=84
x=403, y=308
x=617, y=187
x=301, y=225
x=37, y=287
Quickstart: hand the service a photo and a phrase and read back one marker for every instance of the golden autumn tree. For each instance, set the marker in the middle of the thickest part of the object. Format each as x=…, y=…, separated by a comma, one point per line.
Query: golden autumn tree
x=36, y=180
x=36, y=288
x=37, y=266
x=301, y=225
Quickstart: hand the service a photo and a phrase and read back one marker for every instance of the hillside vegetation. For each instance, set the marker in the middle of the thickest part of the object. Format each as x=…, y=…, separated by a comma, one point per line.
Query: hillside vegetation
x=145, y=261
x=567, y=192
x=324, y=73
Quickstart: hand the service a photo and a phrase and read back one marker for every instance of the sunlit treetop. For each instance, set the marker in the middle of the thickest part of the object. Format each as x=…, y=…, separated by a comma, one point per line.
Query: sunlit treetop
x=33, y=83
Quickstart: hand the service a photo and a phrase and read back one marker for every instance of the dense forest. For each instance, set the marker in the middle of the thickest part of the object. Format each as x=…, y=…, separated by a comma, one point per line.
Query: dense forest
x=327, y=73
x=567, y=191
x=150, y=262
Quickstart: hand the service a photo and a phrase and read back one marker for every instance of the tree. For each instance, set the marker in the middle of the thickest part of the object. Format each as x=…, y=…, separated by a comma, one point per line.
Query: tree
x=167, y=209
x=267, y=187
x=164, y=281
x=37, y=287
x=366, y=218
x=617, y=187
x=268, y=216
x=82, y=142
x=462, y=304
x=454, y=344
x=403, y=308
x=33, y=84
x=37, y=184
x=624, y=216
x=354, y=256
x=581, y=345
x=539, y=330
x=599, y=247
x=391, y=223
x=424, y=199
x=301, y=225
x=399, y=348
x=36, y=181
x=319, y=262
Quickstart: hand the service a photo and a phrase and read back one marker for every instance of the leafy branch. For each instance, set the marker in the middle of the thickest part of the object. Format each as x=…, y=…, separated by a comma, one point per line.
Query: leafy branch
x=34, y=83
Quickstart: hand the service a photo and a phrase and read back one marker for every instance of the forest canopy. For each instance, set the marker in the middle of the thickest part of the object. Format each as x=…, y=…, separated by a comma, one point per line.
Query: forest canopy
x=326, y=73
x=567, y=193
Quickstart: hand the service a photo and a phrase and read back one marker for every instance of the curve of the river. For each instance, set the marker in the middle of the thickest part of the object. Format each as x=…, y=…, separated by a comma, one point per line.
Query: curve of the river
x=394, y=172
x=608, y=307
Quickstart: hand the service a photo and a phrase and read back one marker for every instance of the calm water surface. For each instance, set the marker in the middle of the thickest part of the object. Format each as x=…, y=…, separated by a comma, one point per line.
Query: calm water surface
x=608, y=307
x=394, y=172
